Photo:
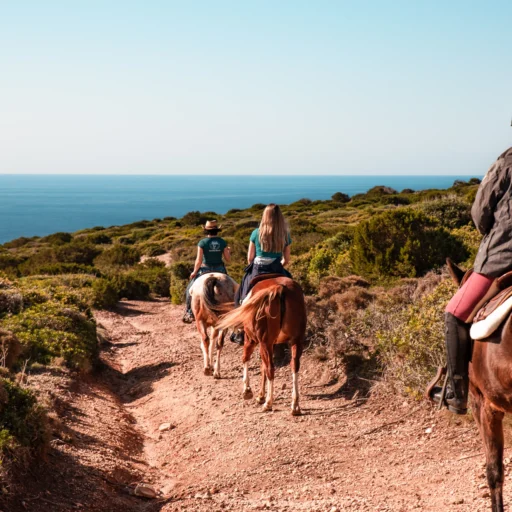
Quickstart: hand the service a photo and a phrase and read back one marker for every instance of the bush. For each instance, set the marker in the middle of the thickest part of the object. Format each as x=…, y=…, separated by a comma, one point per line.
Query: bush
x=333, y=285
x=105, y=294
x=57, y=238
x=155, y=274
x=117, y=256
x=99, y=239
x=412, y=347
x=194, y=219
x=129, y=287
x=10, y=349
x=178, y=288
x=154, y=250
x=11, y=301
x=54, y=269
x=22, y=421
x=402, y=243
x=340, y=197
x=451, y=212
x=51, y=330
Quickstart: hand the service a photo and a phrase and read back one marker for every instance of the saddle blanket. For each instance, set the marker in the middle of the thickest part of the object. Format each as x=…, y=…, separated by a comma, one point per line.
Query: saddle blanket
x=484, y=328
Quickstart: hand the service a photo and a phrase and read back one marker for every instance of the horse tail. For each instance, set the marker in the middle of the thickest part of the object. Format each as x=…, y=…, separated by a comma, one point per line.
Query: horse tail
x=257, y=307
x=208, y=296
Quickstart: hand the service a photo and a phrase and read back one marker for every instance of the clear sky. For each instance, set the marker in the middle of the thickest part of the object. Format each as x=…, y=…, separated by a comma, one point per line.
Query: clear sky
x=250, y=87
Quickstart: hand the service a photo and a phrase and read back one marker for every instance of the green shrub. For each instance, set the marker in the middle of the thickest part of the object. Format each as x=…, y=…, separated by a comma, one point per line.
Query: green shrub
x=320, y=263
x=99, y=239
x=129, y=287
x=154, y=250
x=412, y=347
x=194, y=219
x=11, y=301
x=57, y=238
x=22, y=421
x=105, y=294
x=156, y=275
x=451, y=212
x=178, y=288
x=19, y=242
x=54, y=269
x=340, y=197
x=117, y=256
x=181, y=270
x=402, y=243
x=51, y=330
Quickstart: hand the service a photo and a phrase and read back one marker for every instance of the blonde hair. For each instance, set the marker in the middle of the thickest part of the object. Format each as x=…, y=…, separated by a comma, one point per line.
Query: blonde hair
x=274, y=232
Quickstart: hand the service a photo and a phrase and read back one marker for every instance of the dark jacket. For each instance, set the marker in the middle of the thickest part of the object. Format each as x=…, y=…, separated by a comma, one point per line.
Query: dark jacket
x=492, y=215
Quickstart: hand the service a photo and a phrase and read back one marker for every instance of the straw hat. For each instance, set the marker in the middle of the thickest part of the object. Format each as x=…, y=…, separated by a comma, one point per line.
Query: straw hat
x=212, y=225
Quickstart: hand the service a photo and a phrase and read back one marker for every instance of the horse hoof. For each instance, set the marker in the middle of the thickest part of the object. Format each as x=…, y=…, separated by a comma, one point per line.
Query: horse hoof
x=296, y=412
x=216, y=375
x=208, y=371
x=266, y=408
x=260, y=400
x=247, y=394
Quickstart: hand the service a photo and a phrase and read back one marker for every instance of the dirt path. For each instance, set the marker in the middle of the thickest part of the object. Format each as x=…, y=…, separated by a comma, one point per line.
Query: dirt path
x=222, y=453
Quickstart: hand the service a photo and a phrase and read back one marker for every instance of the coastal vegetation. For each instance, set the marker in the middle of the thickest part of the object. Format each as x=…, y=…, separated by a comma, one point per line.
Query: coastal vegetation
x=372, y=267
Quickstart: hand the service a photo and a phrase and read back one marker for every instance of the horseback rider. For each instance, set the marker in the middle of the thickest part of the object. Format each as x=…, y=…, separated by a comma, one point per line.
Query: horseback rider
x=269, y=253
x=492, y=215
x=211, y=253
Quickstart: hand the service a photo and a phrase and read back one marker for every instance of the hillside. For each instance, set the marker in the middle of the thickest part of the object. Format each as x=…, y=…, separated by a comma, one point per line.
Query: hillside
x=371, y=265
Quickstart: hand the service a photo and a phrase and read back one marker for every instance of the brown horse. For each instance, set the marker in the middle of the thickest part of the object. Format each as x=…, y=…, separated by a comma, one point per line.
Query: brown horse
x=274, y=312
x=490, y=388
x=212, y=295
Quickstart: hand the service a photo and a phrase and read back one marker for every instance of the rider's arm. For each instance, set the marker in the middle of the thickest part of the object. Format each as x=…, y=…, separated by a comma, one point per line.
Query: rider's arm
x=197, y=264
x=490, y=191
x=251, y=253
x=286, y=256
x=226, y=253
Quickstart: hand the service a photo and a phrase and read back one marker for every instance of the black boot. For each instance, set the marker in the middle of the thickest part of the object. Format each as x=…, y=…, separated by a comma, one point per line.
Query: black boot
x=238, y=337
x=458, y=351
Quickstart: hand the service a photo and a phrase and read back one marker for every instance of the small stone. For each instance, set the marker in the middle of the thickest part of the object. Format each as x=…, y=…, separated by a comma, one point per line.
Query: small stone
x=145, y=490
x=165, y=426
x=458, y=501
x=334, y=509
x=283, y=386
x=428, y=430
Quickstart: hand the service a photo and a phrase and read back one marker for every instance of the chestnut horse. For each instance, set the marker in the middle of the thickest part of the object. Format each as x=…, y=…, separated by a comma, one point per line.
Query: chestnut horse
x=212, y=295
x=490, y=387
x=274, y=312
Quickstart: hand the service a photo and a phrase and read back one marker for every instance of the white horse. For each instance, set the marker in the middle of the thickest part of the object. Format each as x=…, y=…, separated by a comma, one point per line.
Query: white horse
x=212, y=295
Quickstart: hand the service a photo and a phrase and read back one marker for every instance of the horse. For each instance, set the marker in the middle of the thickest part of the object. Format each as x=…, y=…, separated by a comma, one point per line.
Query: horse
x=490, y=388
x=274, y=312
x=212, y=295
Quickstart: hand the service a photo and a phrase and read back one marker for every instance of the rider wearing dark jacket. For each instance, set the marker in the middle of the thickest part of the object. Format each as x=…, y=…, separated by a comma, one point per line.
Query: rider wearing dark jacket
x=492, y=215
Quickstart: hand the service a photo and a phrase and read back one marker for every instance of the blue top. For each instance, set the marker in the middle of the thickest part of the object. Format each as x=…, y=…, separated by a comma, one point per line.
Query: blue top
x=255, y=239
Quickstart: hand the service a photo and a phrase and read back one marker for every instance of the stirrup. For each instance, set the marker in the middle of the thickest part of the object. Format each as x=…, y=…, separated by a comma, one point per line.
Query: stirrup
x=432, y=389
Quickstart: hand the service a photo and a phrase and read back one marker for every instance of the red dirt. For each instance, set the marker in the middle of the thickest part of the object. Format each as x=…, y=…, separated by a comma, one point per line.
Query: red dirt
x=347, y=452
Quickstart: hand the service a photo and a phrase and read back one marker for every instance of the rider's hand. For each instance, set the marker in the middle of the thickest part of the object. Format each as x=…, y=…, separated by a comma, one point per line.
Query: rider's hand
x=194, y=274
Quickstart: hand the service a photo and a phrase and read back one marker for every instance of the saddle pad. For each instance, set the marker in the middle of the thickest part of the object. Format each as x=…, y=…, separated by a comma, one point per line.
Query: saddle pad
x=493, y=304
x=484, y=328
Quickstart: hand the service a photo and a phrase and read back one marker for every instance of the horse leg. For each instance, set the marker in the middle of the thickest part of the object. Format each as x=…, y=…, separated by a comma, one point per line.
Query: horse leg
x=491, y=429
x=219, y=338
x=295, y=364
x=248, y=350
x=267, y=359
x=261, y=395
x=205, y=344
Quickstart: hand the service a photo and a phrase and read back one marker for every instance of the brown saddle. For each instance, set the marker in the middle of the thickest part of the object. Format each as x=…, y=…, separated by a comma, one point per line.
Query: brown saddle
x=498, y=293
x=263, y=277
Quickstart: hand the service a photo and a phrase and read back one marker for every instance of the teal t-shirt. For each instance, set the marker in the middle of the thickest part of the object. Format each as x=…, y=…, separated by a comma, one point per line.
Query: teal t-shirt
x=212, y=250
x=255, y=239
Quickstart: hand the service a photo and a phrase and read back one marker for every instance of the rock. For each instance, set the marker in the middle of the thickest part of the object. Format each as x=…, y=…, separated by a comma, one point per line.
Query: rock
x=457, y=501
x=145, y=491
x=334, y=509
x=428, y=430
x=165, y=426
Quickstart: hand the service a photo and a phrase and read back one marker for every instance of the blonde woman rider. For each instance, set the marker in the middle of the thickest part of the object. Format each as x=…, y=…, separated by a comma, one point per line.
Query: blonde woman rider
x=269, y=253
x=212, y=251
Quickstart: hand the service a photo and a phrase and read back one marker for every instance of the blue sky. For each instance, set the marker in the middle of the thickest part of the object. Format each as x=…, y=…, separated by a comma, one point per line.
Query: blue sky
x=262, y=87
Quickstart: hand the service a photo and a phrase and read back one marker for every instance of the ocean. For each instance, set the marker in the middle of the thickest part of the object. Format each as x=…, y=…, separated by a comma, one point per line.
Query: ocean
x=43, y=204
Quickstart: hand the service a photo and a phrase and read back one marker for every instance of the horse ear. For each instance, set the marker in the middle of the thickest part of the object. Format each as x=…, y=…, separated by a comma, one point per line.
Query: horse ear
x=456, y=272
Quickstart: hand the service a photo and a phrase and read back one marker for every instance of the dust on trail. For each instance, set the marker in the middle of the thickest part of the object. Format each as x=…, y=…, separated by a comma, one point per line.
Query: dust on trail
x=223, y=453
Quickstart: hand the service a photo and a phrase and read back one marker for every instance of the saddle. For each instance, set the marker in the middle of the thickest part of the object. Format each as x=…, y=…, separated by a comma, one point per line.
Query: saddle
x=263, y=277
x=500, y=291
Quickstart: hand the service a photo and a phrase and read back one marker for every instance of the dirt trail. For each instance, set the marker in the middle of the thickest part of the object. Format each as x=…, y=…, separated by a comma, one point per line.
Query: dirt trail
x=223, y=453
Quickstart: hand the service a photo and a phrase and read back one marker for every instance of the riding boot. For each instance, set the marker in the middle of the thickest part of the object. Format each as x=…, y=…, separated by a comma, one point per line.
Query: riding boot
x=238, y=337
x=458, y=351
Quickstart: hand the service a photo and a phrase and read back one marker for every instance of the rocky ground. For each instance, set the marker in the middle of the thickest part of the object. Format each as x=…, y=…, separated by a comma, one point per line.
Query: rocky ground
x=149, y=416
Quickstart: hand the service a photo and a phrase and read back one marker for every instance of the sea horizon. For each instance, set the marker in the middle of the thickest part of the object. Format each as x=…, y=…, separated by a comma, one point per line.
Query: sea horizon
x=41, y=204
